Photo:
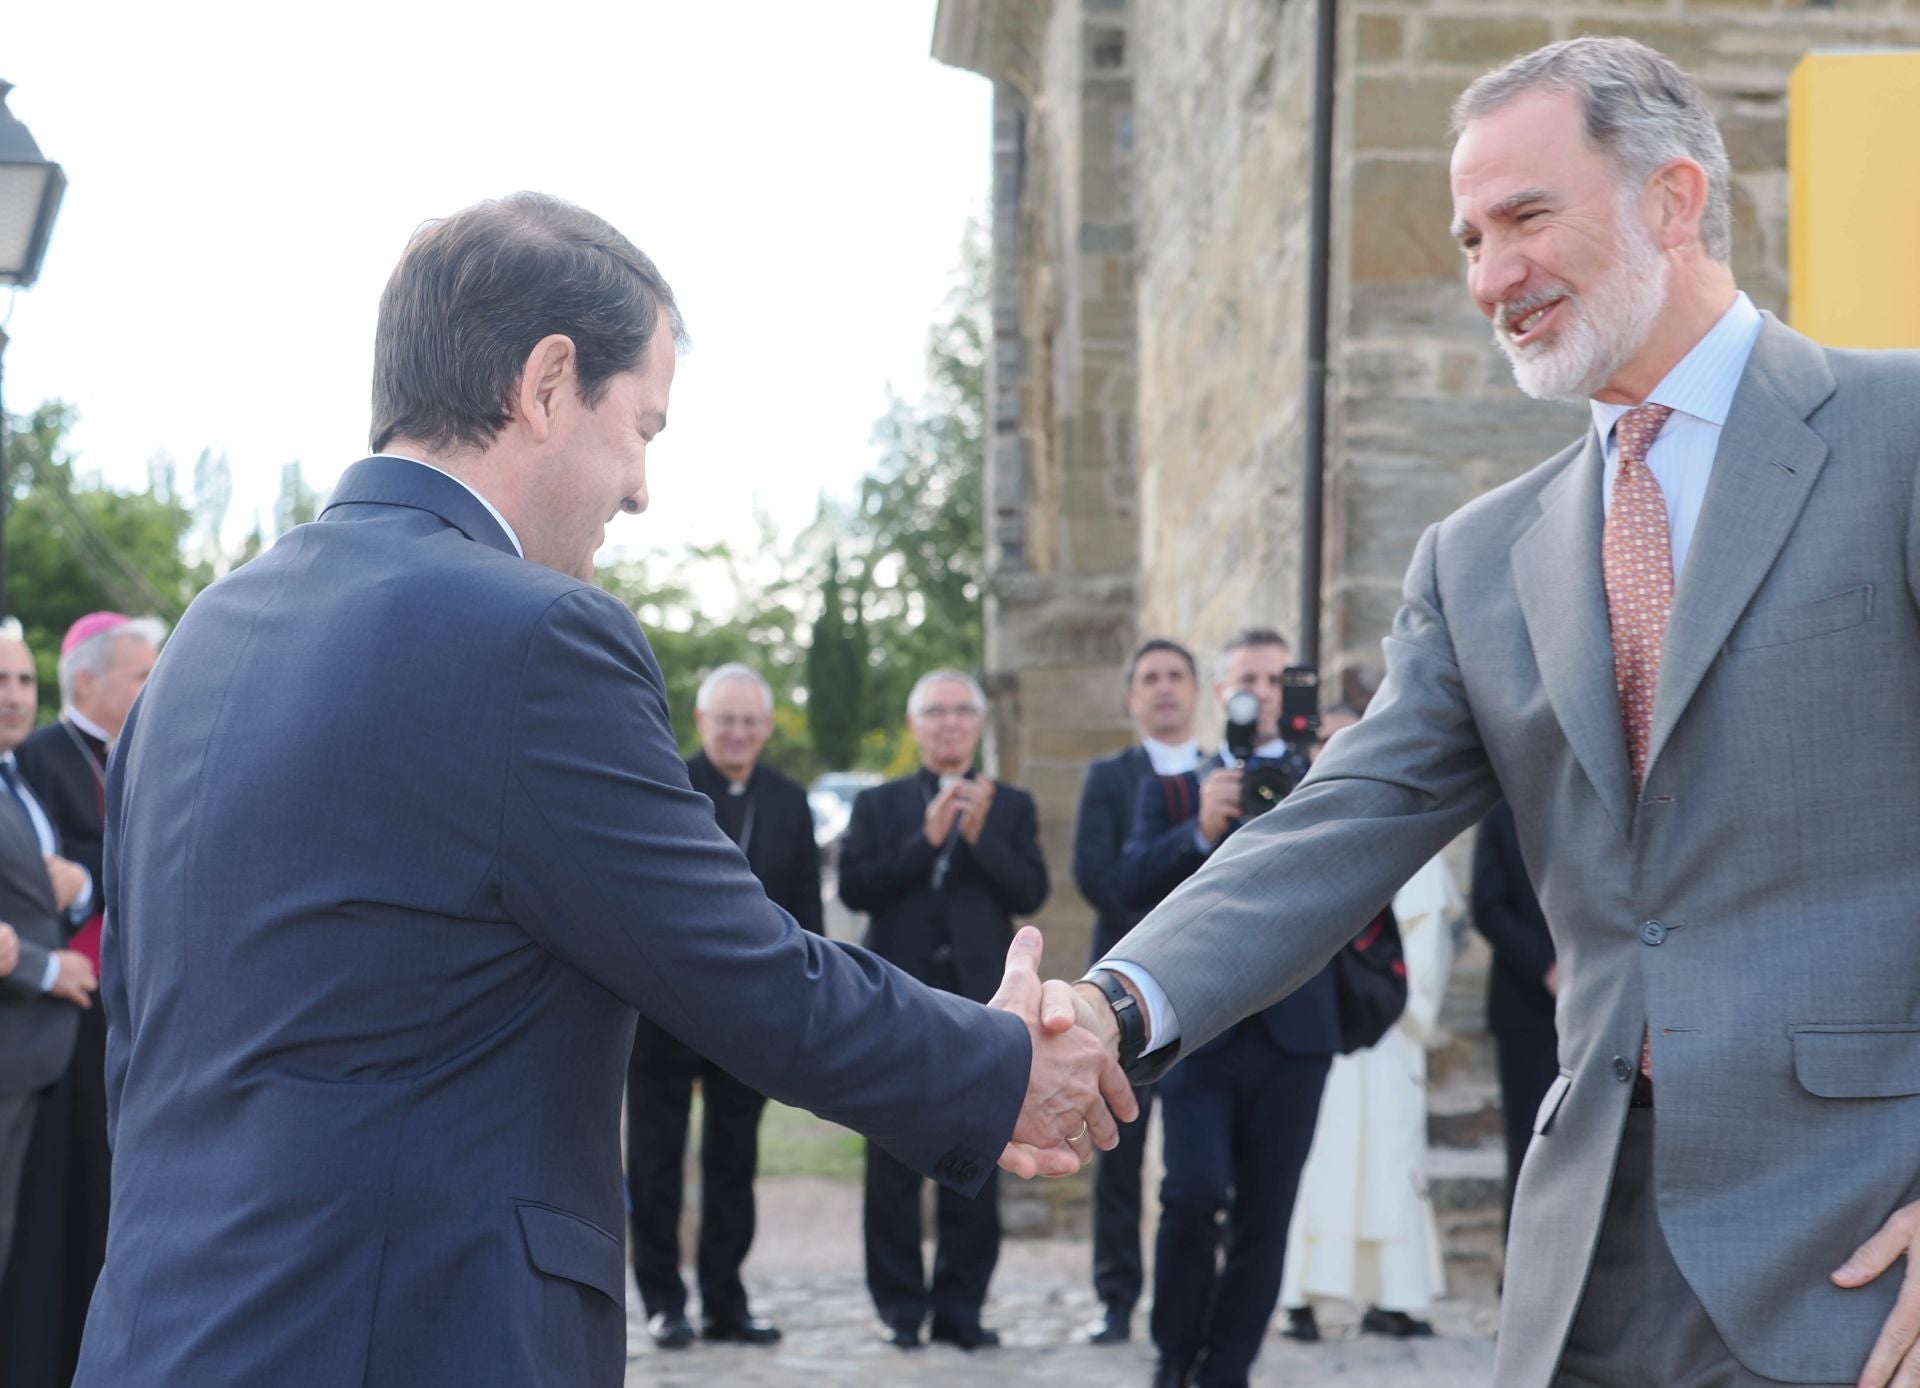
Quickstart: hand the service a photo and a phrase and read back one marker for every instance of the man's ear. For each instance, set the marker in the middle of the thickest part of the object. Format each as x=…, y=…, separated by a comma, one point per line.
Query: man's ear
x=548, y=381
x=1679, y=188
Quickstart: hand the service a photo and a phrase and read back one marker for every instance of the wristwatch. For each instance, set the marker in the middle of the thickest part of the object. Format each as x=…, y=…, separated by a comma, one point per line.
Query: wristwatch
x=1133, y=1031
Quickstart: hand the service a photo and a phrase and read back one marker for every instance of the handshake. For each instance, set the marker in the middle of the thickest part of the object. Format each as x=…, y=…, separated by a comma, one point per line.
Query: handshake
x=1075, y=1089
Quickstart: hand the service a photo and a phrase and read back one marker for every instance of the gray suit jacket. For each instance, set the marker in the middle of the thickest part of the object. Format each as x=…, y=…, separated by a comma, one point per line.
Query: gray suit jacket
x=1755, y=904
x=36, y=1031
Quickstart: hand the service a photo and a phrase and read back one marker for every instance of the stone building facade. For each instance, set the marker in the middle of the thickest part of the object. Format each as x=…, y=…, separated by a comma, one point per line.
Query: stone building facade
x=1150, y=233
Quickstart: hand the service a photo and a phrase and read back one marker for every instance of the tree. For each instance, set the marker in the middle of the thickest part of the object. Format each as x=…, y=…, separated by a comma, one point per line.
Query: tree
x=297, y=503
x=74, y=548
x=836, y=669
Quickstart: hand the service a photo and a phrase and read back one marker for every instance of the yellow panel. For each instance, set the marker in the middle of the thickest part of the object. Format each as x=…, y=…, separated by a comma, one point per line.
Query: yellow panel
x=1853, y=159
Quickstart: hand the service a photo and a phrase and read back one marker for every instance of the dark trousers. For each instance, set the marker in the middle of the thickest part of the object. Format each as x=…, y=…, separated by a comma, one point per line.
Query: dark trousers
x=1237, y=1124
x=1529, y=1063
x=16, y=1130
x=659, y=1099
x=1116, y=1213
x=967, y=1246
x=60, y=1238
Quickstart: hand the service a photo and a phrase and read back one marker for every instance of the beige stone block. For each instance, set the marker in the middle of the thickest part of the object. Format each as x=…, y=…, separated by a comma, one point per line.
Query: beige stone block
x=1379, y=38
x=1689, y=45
x=1399, y=222
x=1402, y=113
x=1076, y=745
x=1755, y=142
x=1481, y=42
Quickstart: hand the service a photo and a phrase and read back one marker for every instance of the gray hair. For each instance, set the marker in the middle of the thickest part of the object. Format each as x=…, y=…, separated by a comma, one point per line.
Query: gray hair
x=93, y=655
x=1244, y=638
x=726, y=674
x=1640, y=109
x=933, y=677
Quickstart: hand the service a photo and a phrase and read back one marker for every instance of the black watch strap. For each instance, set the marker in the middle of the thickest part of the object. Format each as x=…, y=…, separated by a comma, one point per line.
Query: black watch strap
x=1133, y=1030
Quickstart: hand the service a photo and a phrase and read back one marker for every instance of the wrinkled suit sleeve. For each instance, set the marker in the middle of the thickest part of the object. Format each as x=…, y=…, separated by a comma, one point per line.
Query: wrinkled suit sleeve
x=1278, y=898
x=613, y=863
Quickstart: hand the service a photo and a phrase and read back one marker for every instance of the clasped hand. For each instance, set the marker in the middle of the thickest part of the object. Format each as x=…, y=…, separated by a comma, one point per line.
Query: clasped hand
x=1075, y=1089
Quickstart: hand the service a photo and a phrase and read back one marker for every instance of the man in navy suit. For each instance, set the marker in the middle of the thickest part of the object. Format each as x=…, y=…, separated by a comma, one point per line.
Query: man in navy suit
x=1238, y=1114
x=1162, y=690
x=399, y=839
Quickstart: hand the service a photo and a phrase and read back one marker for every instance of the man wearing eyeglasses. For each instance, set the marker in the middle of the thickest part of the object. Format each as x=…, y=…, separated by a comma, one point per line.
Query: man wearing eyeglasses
x=766, y=815
x=943, y=860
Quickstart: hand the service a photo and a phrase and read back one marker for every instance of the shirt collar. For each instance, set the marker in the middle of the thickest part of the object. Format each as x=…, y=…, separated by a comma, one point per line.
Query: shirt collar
x=1172, y=756
x=492, y=510
x=1703, y=382
x=87, y=725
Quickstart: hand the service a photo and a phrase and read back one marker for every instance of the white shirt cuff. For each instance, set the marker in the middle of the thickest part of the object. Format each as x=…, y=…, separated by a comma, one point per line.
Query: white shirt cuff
x=1163, y=1028
x=52, y=975
x=83, y=904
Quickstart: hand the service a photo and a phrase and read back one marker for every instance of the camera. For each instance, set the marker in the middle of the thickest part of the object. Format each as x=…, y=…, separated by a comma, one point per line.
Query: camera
x=1267, y=784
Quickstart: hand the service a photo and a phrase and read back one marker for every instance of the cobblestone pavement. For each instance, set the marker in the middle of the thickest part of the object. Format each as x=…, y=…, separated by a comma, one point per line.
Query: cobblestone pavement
x=805, y=1274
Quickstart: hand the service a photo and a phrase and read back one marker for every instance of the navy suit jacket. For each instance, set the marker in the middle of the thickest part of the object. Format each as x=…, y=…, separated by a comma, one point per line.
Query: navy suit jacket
x=1507, y=912
x=398, y=841
x=1101, y=828
x=1162, y=853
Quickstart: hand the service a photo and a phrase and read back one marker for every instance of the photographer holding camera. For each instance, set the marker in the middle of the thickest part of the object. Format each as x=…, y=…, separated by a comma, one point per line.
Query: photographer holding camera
x=1239, y=1112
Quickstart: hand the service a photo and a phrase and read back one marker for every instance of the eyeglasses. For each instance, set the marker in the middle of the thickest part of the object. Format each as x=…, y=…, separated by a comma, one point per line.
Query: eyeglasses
x=937, y=711
x=738, y=722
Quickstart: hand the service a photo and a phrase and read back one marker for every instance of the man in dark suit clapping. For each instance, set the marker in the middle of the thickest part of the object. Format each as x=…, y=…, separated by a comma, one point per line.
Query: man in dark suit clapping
x=1162, y=690
x=943, y=860
x=766, y=815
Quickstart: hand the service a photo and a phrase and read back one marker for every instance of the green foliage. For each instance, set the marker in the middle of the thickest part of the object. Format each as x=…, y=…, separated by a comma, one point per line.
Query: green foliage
x=74, y=547
x=836, y=671
x=844, y=617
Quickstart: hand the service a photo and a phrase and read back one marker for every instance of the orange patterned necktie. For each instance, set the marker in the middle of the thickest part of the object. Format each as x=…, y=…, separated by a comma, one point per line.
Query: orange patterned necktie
x=1636, y=555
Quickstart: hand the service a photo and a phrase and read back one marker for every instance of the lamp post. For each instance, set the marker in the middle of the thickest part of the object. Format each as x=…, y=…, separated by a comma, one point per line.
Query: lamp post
x=30, y=189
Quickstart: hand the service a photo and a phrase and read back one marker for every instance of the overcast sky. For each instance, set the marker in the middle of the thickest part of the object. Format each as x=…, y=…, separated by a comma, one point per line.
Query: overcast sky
x=243, y=177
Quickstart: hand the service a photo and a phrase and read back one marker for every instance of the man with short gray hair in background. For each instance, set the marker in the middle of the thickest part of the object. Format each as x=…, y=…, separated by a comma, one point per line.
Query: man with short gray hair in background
x=942, y=861
x=1625, y=644
x=766, y=815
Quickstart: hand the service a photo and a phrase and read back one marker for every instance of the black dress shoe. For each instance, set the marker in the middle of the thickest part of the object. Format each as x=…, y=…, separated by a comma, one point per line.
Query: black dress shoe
x=1167, y=1374
x=1396, y=1324
x=741, y=1330
x=670, y=1332
x=900, y=1336
x=1111, y=1328
x=1302, y=1326
x=967, y=1337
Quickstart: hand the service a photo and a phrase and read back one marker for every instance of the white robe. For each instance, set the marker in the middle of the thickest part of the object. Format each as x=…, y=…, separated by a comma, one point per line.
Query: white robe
x=1363, y=1228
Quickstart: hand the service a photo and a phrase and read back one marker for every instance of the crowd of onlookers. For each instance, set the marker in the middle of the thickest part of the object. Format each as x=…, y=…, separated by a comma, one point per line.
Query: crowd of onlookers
x=1292, y=1172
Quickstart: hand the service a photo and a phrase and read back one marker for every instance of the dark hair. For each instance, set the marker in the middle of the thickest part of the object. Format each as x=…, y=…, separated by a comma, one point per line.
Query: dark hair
x=474, y=292
x=1160, y=643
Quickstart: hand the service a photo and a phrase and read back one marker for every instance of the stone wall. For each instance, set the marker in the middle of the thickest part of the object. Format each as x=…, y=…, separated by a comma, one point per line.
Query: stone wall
x=1150, y=244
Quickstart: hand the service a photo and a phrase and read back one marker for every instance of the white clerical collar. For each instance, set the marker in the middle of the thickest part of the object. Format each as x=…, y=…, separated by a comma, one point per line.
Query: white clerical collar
x=1273, y=750
x=1169, y=758
x=87, y=725
x=492, y=510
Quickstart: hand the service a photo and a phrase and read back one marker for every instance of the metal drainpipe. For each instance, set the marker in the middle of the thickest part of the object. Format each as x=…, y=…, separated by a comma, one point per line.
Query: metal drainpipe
x=1319, y=273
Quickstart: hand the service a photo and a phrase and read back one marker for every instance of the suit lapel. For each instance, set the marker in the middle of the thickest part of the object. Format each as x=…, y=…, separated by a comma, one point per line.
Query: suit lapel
x=1766, y=465
x=1556, y=570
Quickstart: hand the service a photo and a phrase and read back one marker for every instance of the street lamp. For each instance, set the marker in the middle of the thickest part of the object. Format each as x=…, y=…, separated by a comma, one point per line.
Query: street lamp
x=30, y=189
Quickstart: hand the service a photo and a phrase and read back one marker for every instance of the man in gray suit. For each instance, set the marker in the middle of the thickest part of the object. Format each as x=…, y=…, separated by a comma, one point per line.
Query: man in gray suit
x=42, y=984
x=1629, y=643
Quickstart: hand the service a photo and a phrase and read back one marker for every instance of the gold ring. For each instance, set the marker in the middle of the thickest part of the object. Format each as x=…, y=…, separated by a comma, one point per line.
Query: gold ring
x=1077, y=1136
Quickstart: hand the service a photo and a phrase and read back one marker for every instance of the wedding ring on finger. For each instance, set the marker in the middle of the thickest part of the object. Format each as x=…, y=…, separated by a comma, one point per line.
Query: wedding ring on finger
x=1077, y=1136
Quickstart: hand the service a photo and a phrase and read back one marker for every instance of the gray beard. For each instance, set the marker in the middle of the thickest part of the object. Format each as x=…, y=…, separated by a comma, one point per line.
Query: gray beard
x=1609, y=324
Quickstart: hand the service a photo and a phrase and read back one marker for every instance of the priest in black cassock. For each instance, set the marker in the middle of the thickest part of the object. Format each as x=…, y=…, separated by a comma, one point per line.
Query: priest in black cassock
x=766, y=814
x=60, y=1236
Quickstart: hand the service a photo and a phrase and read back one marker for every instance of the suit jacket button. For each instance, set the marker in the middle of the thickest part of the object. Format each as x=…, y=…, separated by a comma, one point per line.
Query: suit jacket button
x=1653, y=933
x=1622, y=1070
x=963, y=1170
